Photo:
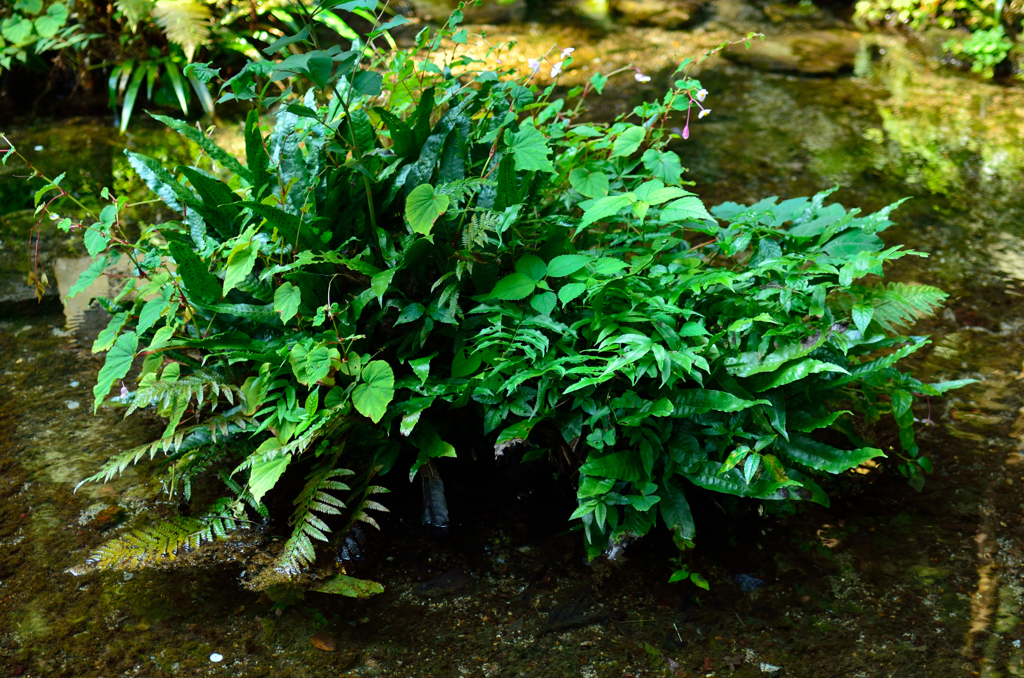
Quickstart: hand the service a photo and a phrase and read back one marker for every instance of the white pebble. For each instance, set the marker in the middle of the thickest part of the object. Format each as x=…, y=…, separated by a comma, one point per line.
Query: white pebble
x=769, y=668
x=37, y=148
x=216, y=657
x=74, y=384
x=128, y=576
x=73, y=404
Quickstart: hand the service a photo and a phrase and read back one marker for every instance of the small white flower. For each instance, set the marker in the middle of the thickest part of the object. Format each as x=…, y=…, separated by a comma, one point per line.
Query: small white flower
x=567, y=51
x=534, y=66
x=704, y=112
x=556, y=70
x=640, y=77
x=702, y=95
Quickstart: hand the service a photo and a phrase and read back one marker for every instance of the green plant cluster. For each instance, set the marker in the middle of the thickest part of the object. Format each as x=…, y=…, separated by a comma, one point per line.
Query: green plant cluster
x=145, y=45
x=422, y=248
x=34, y=26
x=993, y=25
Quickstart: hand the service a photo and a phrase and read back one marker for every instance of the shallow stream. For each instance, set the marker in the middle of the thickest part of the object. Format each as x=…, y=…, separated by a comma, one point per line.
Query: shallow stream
x=886, y=582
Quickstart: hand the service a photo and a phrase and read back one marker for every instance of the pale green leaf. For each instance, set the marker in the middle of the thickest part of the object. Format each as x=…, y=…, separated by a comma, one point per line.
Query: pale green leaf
x=371, y=398
x=423, y=207
x=287, y=298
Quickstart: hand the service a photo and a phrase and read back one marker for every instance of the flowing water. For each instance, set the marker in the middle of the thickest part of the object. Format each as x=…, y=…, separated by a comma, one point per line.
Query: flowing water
x=886, y=582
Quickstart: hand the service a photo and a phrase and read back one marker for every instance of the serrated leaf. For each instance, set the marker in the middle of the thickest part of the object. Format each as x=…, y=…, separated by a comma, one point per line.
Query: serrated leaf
x=604, y=208
x=530, y=149
x=571, y=291
x=532, y=266
x=567, y=264
x=115, y=367
x=628, y=141
x=239, y=265
x=688, y=208
x=544, y=303
x=266, y=472
x=590, y=184
x=514, y=287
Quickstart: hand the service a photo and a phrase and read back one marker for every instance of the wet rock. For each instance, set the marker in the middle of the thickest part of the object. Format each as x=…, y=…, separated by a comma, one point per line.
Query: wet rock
x=809, y=53
x=661, y=13
x=748, y=583
x=325, y=642
x=580, y=610
x=487, y=12
x=780, y=12
x=452, y=582
x=111, y=516
x=19, y=299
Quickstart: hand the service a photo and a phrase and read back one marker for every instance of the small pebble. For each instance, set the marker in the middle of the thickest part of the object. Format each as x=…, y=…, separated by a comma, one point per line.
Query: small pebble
x=128, y=576
x=74, y=384
x=215, y=657
x=73, y=404
x=37, y=148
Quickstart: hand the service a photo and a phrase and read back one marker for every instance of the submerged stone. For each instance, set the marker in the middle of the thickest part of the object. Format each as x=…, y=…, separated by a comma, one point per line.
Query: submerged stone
x=450, y=583
x=661, y=13
x=809, y=53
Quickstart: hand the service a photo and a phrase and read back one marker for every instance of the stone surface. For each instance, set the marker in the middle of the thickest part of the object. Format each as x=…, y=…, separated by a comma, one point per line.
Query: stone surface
x=810, y=53
x=660, y=13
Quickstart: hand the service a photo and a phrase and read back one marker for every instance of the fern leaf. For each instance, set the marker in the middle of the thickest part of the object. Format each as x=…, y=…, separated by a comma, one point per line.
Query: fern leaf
x=165, y=541
x=184, y=22
x=135, y=11
x=900, y=305
x=298, y=552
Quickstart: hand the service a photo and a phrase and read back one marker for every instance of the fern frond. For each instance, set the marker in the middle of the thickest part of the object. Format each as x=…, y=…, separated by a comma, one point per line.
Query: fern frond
x=180, y=392
x=214, y=430
x=461, y=189
x=475, y=235
x=184, y=22
x=298, y=552
x=135, y=11
x=164, y=542
x=900, y=305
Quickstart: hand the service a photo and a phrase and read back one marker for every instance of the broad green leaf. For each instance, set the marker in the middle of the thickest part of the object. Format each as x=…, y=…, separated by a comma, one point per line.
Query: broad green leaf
x=862, y=314
x=852, y=242
x=663, y=165
x=514, y=287
x=822, y=457
x=193, y=134
x=371, y=398
x=530, y=149
x=619, y=465
x=150, y=313
x=567, y=264
x=48, y=24
x=571, y=291
x=699, y=401
x=200, y=284
x=115, y=367
x=106, y=338
x=380, y=282
x=604, y=208
x=343, y=585
x=544, y=303
x=287, y=299
x=239, y=264
x=689, y=208
x=590, y=184
x=532, y=266
x=423, y=207
x=675, y=510
x=95, y=240
x=266, y=472
x=628, y=142
x=88, y=276
x=794, y=372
